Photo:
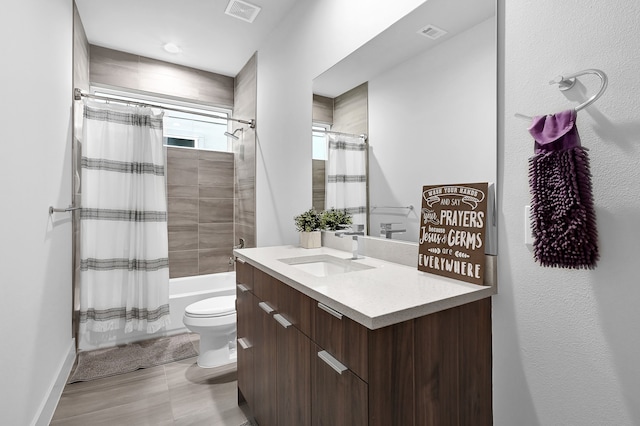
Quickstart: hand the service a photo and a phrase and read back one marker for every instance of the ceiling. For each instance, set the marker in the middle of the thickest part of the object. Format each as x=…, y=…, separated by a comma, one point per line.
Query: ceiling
x=209, y=39
x=213, y=41
x=401, y=41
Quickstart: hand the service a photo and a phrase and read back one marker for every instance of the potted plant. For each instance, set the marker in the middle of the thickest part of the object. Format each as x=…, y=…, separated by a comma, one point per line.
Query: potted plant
x=309, y=224
x=334, y=220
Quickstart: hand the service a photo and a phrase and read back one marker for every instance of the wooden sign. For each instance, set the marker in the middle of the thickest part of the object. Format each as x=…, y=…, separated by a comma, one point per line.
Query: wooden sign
x=452, y=231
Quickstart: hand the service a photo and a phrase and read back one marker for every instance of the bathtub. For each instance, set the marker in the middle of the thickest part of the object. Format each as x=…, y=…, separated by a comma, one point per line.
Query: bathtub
x=182, y=292
x=187, y=290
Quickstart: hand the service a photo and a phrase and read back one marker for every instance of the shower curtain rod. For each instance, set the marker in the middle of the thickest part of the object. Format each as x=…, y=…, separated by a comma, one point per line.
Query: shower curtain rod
x=79, y=94
x=362, y=135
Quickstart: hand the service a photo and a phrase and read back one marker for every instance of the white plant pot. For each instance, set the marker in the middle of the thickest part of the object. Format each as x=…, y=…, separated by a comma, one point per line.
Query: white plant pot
x=311, y=239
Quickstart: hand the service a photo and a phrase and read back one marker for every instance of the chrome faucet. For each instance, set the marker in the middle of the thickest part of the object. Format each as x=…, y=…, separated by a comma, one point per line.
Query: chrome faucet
x=387, y=231
x=356, y=229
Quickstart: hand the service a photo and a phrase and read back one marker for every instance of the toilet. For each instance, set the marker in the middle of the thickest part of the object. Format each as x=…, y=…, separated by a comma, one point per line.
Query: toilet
x=214, y=319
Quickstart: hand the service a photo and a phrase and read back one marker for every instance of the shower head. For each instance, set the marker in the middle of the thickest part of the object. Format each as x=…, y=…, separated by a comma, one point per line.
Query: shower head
x=233, y=135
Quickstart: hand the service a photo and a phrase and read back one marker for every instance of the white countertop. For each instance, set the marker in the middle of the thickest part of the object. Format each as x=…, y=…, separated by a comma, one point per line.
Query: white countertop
x=387, y=294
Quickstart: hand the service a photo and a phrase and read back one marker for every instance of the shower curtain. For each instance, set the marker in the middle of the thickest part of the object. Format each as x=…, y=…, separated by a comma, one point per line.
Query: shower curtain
x=346, y=186
x=124, y=265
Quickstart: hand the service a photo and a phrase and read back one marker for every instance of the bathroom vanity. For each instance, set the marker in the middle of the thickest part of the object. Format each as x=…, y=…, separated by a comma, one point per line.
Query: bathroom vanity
x=324, y=340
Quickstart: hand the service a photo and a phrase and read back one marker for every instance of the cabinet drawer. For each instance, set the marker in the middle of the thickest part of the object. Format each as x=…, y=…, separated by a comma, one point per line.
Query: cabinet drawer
x=265, y=287
x=343, y=338
x=244, y=274
x=295, y=307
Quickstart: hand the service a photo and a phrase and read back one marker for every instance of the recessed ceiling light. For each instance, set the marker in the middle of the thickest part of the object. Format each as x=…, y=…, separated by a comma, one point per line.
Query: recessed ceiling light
x=172, y=48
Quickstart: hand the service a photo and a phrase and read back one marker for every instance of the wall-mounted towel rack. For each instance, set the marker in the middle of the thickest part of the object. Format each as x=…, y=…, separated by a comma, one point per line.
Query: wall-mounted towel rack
x=362, y=136
x=566, y=82
x=53, y=210
x=409, y=207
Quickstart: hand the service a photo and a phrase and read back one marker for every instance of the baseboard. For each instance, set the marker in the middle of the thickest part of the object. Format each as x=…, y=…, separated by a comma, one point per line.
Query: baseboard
x=48, y=406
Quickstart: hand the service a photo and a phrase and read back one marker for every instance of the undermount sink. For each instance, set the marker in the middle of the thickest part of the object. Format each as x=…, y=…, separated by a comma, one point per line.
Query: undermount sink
x=323, y=265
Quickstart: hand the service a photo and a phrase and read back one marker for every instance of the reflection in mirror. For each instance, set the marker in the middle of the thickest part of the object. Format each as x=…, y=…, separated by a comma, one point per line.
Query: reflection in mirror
x=428, y=107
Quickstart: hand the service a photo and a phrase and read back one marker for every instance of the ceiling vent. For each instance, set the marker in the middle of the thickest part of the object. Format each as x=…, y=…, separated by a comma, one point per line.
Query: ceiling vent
x=242, y=10
x=432, y=32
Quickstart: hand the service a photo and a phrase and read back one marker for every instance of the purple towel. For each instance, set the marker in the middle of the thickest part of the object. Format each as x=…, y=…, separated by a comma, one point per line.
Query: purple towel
x=562, y=213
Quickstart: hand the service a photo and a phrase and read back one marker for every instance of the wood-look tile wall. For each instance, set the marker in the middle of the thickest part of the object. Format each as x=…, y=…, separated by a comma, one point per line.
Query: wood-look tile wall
x=200, y=202
x=203, y=216
x=245, y=151
x=322, y=109
x=318, y=168
x=322, y=112
x=120, y=69
x=351, y=111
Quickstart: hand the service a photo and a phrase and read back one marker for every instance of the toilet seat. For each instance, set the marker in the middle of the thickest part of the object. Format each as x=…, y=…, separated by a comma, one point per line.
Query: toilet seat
x=214, y=319
x=212, y=307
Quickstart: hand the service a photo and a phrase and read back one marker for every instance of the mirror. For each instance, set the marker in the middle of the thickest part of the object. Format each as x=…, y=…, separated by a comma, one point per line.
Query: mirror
x=428, y=107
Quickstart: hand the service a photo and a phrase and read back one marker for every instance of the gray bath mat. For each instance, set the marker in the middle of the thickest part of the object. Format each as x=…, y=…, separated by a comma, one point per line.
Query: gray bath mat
x=127, y=358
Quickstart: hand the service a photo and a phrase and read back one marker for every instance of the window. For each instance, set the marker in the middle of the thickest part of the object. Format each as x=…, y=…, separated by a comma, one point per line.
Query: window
x=319, y=141
x=189, y=129
x=195, y=131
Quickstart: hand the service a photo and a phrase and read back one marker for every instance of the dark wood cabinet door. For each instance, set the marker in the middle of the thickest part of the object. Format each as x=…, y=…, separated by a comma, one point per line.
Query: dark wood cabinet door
x=391, y=379
x=453, y=366
x=246, y=303
x=475, y=364
x=338, y=396
x=295, y=307
x=264, y=361
x=244, y=274
x=294, y=375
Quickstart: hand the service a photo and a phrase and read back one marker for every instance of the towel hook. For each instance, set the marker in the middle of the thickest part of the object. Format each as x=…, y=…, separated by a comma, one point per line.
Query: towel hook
x=566, y=82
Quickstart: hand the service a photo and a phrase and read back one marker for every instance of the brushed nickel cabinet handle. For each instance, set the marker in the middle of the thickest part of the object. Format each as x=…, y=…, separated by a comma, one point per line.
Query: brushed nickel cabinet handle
x=240, y=260
x=243, y=343
x=265, y=307
x=330, y=310
x=332, y=362
x=243, y=288
x=282, y=320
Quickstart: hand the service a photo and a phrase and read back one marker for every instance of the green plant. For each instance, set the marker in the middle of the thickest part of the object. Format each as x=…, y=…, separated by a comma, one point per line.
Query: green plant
x=309, y=221
x=333, y=219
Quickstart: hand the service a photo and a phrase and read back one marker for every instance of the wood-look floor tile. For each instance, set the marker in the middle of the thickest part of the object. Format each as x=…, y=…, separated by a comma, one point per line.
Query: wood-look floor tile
x=144, y=410
x=213, y=417
x=179, y=393
x=127, y=393
x=193, y=389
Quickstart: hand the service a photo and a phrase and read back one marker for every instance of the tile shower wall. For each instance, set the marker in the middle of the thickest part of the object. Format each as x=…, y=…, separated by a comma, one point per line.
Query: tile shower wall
x=322, y=112
x=206, y=244
x=245, y=151
x=200, y=204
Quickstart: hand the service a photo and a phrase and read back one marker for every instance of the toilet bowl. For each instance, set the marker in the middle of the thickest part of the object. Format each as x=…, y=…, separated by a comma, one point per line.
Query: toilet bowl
x=214, y=319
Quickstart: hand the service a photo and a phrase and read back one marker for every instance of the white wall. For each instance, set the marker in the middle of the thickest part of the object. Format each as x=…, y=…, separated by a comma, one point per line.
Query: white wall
x=432, y=120
x=35, y=172
x=567, y=343
x=314, y=36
